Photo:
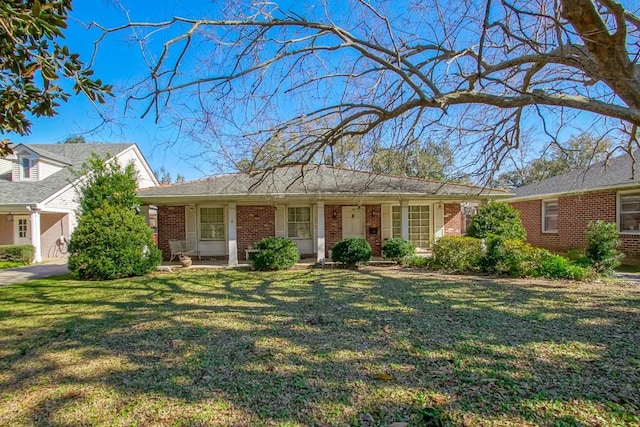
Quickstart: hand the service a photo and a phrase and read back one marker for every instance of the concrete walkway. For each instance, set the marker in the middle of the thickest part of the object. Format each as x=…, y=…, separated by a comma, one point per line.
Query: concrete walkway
x=52, y=267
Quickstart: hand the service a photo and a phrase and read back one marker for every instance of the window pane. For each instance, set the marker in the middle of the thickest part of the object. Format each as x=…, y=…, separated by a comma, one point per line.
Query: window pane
x=550, y=220
x=212, y=223
x=299, y=222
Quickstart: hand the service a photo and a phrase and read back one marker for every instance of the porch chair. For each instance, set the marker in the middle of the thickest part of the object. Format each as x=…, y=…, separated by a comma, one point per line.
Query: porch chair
x=179, y=247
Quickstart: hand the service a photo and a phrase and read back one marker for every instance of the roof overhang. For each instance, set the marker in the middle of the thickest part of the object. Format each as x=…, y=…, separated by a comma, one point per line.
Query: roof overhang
x=574, y=192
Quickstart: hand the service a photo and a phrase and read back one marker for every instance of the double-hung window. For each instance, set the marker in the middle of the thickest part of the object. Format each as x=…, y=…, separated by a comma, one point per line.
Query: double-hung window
x=212, y=223
x=299, y=222
x=629, y=216
x=25, y=165
x=550, y=216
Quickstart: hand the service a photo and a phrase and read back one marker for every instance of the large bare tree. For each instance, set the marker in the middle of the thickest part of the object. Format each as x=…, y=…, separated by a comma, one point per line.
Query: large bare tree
x=476, y=73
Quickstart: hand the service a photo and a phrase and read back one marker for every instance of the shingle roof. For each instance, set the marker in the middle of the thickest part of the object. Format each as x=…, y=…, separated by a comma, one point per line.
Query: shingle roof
x=615, y=172
x=313, y=180
x=74, y=155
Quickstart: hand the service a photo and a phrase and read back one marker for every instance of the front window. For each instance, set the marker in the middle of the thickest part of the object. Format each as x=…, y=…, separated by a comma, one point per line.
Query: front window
x=419, y=225
x=299, y=222
x=396, y=221
x=550, y=216
x=212, y=223
x=22, y=228
x=26, y=165
x=630, y=212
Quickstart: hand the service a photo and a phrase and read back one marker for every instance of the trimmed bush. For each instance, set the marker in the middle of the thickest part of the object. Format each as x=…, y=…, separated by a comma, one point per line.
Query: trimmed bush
x=458, y=253
x=275, y=253
x=17, y=253
x=111, y=243
x=351, y=251
x=396, y=249
x=512, y=257
x=497, y=218
x=602, y=241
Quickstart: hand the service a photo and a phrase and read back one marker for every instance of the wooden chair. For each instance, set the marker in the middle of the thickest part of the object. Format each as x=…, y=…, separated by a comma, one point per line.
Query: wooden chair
x=179, y=247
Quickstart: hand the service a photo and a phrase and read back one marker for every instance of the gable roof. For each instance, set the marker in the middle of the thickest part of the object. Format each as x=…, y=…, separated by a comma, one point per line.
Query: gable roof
x=73, y=155
x=616, y=172
x=311, y=180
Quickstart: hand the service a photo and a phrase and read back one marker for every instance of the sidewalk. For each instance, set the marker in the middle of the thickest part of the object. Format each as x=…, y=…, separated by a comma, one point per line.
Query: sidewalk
x=53, y=267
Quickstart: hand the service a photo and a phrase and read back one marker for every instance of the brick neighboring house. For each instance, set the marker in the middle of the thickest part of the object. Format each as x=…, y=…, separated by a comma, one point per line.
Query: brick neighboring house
x=315, y=206
x=556, y=211
x=38, y=199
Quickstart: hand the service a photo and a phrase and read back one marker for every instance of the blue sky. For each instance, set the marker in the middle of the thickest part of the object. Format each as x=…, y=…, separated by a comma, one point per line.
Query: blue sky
x=118, y=63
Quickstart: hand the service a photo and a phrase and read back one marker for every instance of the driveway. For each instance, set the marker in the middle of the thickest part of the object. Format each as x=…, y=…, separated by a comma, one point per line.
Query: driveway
x=54, y=267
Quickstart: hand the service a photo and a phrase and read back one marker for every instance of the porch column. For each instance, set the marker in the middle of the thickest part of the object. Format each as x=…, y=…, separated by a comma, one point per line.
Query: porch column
x=404, y=220
x=35, y=234
x=233, y=238
x=321, y=248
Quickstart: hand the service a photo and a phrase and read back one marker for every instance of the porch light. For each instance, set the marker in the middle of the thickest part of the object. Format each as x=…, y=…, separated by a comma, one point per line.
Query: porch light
x=335, y=214
x=9, y=217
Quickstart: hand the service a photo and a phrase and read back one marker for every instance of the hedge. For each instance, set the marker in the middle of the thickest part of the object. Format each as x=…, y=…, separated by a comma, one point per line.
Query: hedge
x=17, y=253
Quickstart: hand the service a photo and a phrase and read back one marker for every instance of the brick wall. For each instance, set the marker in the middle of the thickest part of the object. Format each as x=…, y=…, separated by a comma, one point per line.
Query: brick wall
x=574, y=214
x=372, y=221
x=452, y=219
x=332, y=227
x=254, y=224
x=171, y=226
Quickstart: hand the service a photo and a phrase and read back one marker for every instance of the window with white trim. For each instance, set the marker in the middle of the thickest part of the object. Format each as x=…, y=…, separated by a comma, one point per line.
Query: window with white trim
x=419, y=225
x=23, y=228
x=299, y=222
x=550, y=216
x=212, y=223
x=26, y=164
x=396, y=221
x=629, y=216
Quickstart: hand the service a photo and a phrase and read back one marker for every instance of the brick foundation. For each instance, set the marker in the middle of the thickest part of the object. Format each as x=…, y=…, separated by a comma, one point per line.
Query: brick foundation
x=574, y=214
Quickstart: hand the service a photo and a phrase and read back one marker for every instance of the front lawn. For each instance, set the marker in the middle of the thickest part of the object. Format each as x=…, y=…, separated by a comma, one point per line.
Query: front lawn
x=11, y=264
x=319, y=347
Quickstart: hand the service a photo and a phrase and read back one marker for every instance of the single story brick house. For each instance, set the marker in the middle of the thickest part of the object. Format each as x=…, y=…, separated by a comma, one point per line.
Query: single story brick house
x=556, y=211
x=315, y=206
x=38, y=198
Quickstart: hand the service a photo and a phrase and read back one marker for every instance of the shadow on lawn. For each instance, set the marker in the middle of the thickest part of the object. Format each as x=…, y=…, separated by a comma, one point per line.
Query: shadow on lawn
x=315, y=346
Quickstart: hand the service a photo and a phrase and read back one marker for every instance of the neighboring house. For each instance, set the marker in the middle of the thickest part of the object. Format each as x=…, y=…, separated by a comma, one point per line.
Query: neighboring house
x=315, y=206
x=38, y=199
x=556, y=211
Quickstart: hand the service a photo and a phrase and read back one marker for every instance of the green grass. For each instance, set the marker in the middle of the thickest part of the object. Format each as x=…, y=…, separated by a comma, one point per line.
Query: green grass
x=11, y=264
x=319, y=347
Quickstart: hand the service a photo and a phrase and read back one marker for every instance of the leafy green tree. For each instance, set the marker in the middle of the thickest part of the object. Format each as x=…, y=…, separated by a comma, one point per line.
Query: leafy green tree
x=497, y=218
x=420, y=160
x=32, y=61
x=111, y=240
x=76, y=139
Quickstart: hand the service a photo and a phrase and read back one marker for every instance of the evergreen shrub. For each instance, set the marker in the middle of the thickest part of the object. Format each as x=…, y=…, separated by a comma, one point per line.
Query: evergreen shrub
x=351, y=251
x=275, y=253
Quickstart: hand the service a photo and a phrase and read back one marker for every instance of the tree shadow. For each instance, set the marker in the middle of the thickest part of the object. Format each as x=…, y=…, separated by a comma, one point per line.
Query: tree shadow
x=321, y=347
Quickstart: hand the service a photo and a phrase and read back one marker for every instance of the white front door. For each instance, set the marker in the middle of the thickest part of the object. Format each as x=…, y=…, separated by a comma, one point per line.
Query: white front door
x=22, y=230
x=352, y=222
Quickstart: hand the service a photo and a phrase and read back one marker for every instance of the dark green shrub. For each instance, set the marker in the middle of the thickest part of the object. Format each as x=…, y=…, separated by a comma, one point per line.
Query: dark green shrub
x=17, y=253
x=351, y=251
x=275, y=253
x=458, y=253
x=602, y=241
x=396, y=249
x=512, y=257
x=558, y=267
x=111, y=243
x=499, y=219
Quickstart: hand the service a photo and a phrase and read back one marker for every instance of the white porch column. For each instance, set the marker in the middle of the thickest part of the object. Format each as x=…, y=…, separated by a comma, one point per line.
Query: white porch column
x=321, y=248
x=35, y=234
x=404, y=220
x=233, y=238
